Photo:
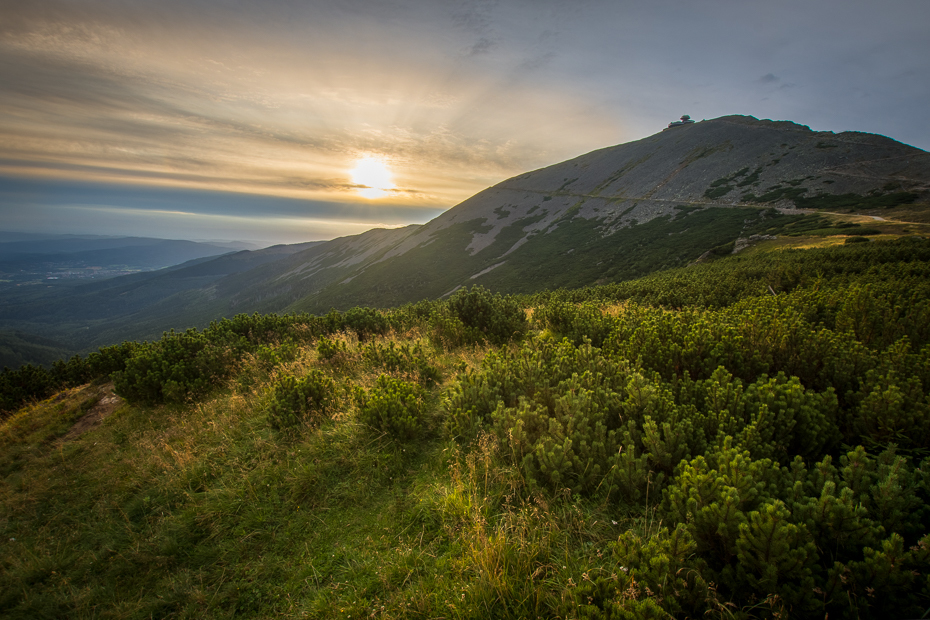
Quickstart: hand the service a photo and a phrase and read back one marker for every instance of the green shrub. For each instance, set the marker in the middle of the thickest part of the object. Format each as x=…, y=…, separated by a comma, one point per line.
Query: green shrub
x=773, y=418
x=717, y=192
x=333, y=351
x=448, y=332
x=307, y=400
x=557, y=410
x=30, y=382
x=577, y=322
x=893, y=409
x=23, y=384
x=108, y=360
x=366, y=322
x=178, y=366
x=411, y=362
x=824, y=540
x=411, y=316
x=271, y=356
x=661, y=563
x=476, y=315
x=855, y=201
x=245, y=331
x=395, y=407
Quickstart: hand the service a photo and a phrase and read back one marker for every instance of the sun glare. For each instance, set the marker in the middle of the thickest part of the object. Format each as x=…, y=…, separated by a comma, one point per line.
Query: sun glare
x=373, y=177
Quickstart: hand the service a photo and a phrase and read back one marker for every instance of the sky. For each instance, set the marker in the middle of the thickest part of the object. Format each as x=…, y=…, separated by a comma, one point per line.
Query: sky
x=284, y=121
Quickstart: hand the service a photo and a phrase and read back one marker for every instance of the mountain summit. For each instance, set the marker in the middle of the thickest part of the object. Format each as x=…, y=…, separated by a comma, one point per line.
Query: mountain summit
x=692, y=190
x=618, y=212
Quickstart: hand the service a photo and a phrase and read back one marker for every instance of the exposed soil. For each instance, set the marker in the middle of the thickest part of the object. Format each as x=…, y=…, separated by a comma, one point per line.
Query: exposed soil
x=108, y=403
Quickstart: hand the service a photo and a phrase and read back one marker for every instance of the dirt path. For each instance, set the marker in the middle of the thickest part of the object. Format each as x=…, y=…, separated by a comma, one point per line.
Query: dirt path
x=108, y=403
x=873, y=217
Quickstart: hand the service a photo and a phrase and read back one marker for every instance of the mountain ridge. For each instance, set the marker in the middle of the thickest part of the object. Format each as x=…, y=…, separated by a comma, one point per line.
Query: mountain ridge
x=634, y=183
x=615, y=213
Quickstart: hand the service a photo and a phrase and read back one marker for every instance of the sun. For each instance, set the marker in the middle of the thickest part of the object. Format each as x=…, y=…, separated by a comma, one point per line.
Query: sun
x=373, y=177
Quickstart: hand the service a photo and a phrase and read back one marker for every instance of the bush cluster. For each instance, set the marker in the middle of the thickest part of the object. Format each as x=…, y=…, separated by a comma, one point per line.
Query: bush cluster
x=366, y=322
x=743, y=470
x=30, y=382
x=476, y=315
x=306, y=400
x=172, y=369
x=394, y=406
x=409, y=362
x=333, y=351
x=781, y=440
x=186, y=364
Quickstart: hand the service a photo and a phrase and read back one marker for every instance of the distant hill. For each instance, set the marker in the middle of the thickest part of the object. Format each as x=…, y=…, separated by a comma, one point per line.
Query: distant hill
x=87, y=314
x=17, y=349
x=686, y=193
x=25, y=257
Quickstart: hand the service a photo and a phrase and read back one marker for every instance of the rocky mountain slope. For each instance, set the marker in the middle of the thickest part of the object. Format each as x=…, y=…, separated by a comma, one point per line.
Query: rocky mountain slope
x=612, y=214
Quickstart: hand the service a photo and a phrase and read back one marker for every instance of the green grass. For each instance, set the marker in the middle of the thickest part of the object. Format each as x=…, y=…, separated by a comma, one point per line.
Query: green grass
x=576, y=251
x=202, y=509
x=829, y=202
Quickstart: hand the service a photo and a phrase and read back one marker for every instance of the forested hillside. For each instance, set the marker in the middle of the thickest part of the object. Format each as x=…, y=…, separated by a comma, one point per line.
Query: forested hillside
x=744, y=438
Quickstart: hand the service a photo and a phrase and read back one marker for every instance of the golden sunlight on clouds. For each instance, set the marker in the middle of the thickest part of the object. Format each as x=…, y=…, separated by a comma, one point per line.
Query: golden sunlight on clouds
x=373, y=178
x=135, y=96
x=407, y=107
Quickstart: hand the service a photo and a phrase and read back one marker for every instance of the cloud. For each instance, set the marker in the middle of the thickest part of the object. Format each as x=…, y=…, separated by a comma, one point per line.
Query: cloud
x=280, y=98
x=97, y=208
x=245, y=124
x=474, y=16
x=481, y=46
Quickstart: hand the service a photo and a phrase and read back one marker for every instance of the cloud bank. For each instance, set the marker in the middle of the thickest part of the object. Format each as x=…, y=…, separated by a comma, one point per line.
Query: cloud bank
x=280, y=99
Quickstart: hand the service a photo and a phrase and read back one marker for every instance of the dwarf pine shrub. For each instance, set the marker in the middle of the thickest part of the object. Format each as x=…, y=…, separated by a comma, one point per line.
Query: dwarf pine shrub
x=366, y=322
x=332, y=351
x=476, y=315
x=556, y=409
x=659, y=563
x=308, y=399
x=815, y=536
x=576, y=322
x=180, y=365
x=411, y=362
x=394, y=406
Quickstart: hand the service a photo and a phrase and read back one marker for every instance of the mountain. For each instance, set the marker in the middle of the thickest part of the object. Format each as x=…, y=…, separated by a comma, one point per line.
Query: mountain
x=60, y=260
x=686, y=193
x=612, y=214
x=17, y=349
x=32, y=244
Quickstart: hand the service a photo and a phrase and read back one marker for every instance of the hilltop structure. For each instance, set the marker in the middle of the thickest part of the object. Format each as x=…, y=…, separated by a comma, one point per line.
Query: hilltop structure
x=685, y=120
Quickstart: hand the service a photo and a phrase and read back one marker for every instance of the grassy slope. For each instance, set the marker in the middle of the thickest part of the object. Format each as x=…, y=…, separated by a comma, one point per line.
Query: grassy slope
x=574, y=254
x=202, y=510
